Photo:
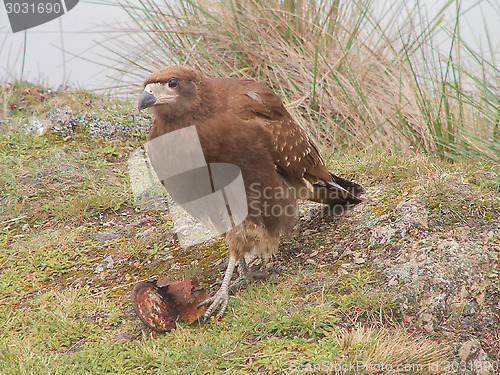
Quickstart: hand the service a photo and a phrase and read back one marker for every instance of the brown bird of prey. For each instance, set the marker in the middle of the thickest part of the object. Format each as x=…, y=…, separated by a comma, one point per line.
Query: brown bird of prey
x=243, y=122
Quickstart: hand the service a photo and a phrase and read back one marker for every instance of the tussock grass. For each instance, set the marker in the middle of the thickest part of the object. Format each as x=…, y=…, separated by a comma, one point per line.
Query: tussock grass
x=352, y=74
x=376, y=348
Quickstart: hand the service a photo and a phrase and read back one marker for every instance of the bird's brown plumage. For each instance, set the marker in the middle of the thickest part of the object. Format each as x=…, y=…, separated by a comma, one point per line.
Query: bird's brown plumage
x=245, y=123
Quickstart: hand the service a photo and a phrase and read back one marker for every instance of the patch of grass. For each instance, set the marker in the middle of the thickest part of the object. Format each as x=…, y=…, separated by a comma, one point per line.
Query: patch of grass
x=72, y=329
x=455, y=190
x=355, y=295
x=57, y=175
x=50, y=179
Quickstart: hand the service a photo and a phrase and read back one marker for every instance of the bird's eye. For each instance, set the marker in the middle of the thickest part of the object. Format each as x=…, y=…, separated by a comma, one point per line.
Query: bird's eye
x=173, y=83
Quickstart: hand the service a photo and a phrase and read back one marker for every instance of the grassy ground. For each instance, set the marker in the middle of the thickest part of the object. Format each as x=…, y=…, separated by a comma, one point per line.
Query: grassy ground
x=73, y=245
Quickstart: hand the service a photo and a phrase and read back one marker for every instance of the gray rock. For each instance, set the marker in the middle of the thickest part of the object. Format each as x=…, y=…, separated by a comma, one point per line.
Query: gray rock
x=469, y=349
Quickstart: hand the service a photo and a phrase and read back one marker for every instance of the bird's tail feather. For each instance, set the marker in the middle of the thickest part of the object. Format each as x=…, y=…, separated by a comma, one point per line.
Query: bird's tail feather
x=338, y=191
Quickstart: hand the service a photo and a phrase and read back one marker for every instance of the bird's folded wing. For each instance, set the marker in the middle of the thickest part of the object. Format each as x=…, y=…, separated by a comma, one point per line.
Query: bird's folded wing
x=294, y=154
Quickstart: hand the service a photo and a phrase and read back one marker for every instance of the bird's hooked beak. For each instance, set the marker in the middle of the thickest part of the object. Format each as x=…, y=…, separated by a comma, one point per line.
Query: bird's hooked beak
x=146, y=100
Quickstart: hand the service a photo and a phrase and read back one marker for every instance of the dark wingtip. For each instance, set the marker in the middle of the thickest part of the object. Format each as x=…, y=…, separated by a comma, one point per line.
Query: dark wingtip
x=353, y=188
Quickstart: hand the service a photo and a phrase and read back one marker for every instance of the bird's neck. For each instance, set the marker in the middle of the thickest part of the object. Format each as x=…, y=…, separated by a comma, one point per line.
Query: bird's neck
x=166, y=125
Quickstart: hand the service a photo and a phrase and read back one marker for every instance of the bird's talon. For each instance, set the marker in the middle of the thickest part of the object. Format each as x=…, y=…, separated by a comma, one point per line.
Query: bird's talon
x=275, y=270
x=217, y=283
x=220, y=301
x=204, y=303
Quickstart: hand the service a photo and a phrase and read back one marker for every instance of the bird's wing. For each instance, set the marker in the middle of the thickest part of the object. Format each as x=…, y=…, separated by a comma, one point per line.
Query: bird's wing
x=293, y=152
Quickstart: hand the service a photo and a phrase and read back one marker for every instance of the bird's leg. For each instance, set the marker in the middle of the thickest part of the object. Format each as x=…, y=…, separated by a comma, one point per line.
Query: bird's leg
x=243, y=269
x=221, y=298
x=247, y=276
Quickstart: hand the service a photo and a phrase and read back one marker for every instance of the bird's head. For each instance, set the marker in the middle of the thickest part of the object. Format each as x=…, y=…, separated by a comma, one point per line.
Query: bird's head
x=174, y=91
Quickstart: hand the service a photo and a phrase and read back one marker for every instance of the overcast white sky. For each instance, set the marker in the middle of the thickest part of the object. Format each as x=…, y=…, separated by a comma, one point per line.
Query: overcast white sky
x=78, y=32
